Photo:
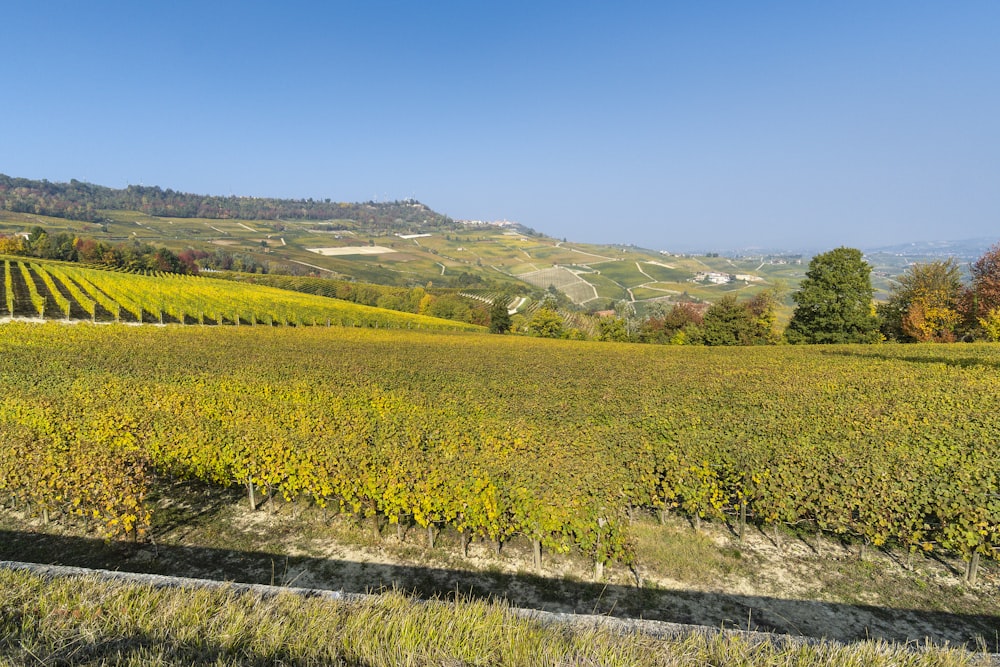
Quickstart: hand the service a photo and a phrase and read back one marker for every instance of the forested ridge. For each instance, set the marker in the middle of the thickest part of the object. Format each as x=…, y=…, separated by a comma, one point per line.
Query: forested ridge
x=79, y=200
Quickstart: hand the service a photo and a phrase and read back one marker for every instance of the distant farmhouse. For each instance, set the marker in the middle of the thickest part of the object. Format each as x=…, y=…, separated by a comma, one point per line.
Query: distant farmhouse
x=712, y=277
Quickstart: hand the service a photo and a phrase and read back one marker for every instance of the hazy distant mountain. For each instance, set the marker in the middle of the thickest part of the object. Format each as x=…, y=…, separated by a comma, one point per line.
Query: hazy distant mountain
x=964, y=250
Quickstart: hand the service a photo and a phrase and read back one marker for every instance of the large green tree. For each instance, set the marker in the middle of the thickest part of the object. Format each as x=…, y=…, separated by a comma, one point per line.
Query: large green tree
x=834, y=301
x=500, y=321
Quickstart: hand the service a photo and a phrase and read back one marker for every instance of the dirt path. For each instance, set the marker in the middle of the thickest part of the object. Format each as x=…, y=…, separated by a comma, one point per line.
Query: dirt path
x=639, y=267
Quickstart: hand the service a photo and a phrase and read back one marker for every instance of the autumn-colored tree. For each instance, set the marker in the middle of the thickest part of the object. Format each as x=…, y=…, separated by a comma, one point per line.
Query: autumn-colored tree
x=424, y=304
x=11, y=245
x=924, y=322
x=924, y=304
x=663, y=327
x=986, y=278
x=991, y=325
x=983, y=295
x=763, y=306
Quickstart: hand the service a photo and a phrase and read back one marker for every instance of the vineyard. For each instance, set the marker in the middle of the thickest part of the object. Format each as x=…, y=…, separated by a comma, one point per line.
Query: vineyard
x=56, y=290
x=496, y=437
x=328, y=287
x=575, y=287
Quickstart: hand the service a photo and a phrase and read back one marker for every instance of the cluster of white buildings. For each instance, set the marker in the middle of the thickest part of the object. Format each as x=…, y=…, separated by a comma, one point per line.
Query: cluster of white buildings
x=724, y=278
x=711, y=277
x=488, y=223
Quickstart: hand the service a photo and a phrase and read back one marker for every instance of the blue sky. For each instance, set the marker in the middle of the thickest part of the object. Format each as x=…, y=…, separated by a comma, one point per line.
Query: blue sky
x=669, y=125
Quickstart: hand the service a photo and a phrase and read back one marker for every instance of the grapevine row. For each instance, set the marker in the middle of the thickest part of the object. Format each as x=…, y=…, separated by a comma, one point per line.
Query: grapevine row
x=67, y=288
x=555, y=441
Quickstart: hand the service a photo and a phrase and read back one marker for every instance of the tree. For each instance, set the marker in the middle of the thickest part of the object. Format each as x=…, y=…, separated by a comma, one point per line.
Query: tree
x=729, y=322
x=162, y=259
x=449, y=307
x=425, y=303
x=924, y=303
x=991, y=325
x=834, y=301
x=11, y=245
x=763, y=307
x=983, y=296
x=546, y=323
x=612, y=329
x=663, y=326
x=931, y=294
x=691, y=334
x=499, y=316
x=890, y=320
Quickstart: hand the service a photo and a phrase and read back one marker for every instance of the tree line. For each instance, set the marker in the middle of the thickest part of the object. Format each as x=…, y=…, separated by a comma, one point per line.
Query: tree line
x=78, y=200
x=835, y=303
x=128, y=255
x=927, y=303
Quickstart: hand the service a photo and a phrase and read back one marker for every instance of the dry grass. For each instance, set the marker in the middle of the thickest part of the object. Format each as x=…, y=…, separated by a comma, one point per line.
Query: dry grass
x=799, y=585
x=77, y=621
x=677, y=552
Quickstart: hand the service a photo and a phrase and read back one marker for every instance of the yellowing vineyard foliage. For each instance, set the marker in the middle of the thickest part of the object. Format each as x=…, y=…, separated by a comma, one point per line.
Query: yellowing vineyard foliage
x=57, y=289
x=498, y=436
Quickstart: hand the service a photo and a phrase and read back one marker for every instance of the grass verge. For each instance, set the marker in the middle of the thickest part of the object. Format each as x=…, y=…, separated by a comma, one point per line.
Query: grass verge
x=787, y=584
x=86, y=620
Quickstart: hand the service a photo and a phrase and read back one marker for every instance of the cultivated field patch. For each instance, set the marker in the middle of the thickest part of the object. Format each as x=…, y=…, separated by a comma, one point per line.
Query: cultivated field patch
x=352, y=250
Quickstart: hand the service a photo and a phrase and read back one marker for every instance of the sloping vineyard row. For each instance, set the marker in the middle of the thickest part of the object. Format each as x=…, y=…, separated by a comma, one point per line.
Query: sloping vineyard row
x=52, y=289
x=496, y=437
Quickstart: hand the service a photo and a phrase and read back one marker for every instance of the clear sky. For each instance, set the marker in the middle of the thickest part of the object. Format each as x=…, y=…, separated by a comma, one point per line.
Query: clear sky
x=671, y=125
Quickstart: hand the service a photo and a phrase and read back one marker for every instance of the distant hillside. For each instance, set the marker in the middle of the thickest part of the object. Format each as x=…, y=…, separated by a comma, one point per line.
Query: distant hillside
x=407, y=245
x=967, y=250
x=403, y=244
x=85, y=201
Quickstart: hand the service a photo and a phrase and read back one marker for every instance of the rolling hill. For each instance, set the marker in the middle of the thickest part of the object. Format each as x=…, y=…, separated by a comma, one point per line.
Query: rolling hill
x=395, y=243
x=407, y=244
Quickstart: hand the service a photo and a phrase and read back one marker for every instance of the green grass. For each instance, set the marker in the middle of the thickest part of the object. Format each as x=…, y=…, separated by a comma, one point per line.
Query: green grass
x=86, y=620
x=663, y=274
x=624, y=273
x=641, y=293
x=606, y=288
x=677, y=551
